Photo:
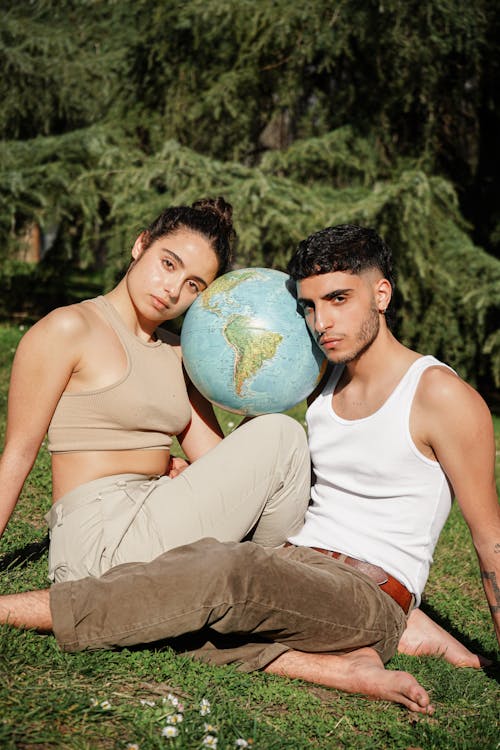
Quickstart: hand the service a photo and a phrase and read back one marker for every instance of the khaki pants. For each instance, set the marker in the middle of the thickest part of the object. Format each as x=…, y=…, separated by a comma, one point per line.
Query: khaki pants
x=239, y=603
x=255, y=483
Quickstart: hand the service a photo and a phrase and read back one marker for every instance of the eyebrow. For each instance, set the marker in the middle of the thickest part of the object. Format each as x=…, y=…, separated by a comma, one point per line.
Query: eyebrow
x=328, y=296
x=181, y=263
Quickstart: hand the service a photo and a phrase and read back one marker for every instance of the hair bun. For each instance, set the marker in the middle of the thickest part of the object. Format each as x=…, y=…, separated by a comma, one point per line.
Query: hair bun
x=210, y=217
x=218, y=206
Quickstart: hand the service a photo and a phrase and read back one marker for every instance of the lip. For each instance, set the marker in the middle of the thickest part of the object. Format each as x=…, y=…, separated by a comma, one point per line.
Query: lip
x=159, y=303
x=331, y=342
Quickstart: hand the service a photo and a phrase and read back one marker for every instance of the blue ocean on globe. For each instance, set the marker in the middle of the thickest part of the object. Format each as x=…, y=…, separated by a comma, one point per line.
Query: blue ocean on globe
x=245, y=344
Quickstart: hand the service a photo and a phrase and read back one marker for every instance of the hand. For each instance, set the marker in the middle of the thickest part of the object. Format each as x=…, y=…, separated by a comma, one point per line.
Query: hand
x=176, y=466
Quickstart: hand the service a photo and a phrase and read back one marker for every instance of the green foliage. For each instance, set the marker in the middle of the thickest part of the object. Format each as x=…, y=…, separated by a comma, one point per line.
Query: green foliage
x=302, y=115
x=101, y=190
x=243, y=64
x=61, y=69
x=339, y=158
x=233, y=77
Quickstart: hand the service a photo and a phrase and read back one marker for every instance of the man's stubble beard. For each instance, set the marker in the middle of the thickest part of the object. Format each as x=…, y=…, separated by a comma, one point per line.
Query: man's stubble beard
x=364, y=338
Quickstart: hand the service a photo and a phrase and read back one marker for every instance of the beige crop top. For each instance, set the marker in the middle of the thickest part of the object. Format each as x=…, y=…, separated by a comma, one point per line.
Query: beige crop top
x=144, y=409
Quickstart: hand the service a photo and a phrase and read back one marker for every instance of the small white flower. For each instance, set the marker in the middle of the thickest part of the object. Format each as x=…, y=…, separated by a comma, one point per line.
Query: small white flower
x=210, y=741
x=105, y=705
x=131, y=746
x=204, y=707
x=209, y=728
x=230, y=425
x=175, y=719
x=240, y=742
x=170, y=731
x=94, y=702
x=147, y=703
x=21, y=327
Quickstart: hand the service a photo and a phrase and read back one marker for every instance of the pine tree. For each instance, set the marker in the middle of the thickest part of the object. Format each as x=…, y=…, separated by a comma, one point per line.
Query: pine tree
x=302, y=115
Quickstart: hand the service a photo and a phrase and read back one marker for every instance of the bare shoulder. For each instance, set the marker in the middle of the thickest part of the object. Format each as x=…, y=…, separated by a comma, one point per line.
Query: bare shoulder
x=448, y=412
x=171, y=339
x=52, y=348
x=440, y=389
x=60, y=326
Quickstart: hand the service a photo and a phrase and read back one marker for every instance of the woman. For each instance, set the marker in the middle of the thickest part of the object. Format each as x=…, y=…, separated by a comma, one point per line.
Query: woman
x=109, y=389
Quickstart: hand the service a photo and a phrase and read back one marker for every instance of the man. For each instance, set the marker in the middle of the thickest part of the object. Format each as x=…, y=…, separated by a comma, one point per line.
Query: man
x=391, y=433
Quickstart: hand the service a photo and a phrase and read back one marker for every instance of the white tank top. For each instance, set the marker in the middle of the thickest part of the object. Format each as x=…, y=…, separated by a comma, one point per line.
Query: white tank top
x=375, y=496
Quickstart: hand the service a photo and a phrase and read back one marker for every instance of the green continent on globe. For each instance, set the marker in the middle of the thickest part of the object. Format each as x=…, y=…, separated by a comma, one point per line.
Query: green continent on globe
x=252, y=348
x=223, y=285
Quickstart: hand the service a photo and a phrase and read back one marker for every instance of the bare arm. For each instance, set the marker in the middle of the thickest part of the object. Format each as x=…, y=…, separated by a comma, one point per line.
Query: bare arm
x=460, y=433
x=203, y=432
x=44, y=361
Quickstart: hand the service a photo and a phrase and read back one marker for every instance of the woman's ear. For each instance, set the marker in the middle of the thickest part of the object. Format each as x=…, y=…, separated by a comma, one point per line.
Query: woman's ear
x=138, y=247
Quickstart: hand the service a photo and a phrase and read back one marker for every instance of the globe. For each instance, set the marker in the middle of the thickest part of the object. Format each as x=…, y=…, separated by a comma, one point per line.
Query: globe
x=245, y=344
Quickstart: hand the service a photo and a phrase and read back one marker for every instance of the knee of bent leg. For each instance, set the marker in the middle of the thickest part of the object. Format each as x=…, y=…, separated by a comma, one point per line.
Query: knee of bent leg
x=236, y=564
x=280, y=426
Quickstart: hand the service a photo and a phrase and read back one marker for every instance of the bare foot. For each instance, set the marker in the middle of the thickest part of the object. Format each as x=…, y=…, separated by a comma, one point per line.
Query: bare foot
x=28, y=610
x=361, y=671
x=424, y=637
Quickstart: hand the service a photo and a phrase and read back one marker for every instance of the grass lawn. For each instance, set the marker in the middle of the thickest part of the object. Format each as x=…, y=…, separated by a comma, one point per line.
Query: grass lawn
x=118, y=699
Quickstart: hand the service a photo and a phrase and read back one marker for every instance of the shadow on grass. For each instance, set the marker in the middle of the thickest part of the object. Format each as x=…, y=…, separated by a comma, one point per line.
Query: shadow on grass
x=493, y=671
x=22, y=556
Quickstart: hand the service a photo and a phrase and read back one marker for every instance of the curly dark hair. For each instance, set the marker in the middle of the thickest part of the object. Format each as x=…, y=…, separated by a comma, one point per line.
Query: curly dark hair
x=346, y=247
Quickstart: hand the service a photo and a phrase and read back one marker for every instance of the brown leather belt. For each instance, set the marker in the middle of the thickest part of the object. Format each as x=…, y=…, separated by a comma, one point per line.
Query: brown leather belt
x=384, y=580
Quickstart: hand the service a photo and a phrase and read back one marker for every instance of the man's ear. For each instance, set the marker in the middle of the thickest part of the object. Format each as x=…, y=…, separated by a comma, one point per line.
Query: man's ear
x=383, y=294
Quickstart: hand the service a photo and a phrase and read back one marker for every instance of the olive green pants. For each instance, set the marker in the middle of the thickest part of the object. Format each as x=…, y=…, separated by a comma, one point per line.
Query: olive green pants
x=230, y=602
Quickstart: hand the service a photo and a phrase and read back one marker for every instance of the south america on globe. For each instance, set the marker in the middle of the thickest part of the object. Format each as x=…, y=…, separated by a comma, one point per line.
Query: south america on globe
x=245, y=344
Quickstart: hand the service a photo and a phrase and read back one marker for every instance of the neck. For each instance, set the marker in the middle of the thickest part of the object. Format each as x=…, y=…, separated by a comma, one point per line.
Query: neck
x=121, y=301
x=383, y=353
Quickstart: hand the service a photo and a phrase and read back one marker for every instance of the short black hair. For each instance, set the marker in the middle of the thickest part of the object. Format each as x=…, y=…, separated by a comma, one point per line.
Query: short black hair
x=346, y=247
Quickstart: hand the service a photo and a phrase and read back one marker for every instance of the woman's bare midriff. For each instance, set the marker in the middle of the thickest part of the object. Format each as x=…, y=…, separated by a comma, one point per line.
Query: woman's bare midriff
x=70, y=470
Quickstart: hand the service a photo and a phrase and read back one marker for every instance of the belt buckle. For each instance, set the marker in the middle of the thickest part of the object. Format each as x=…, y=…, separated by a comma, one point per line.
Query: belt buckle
x=375, y=572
